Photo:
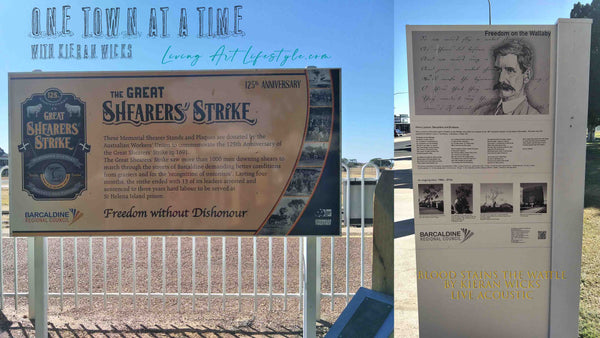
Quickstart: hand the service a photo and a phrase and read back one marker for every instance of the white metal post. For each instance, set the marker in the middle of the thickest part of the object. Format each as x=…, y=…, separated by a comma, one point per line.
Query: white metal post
x=347, y=224
x=318, y=279
x=41, y=286
x=1, y=242
x=309, y=327
x=572, y=74
x=362, y=218
x=31, y=276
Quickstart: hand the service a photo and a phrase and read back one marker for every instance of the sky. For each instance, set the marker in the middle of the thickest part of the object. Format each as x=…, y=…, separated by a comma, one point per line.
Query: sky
x=355, y=36
x=365, y=38
x=467, y=12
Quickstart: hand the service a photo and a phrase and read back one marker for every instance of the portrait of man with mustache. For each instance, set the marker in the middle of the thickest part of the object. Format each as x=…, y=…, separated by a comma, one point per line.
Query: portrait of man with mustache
x=513, y=64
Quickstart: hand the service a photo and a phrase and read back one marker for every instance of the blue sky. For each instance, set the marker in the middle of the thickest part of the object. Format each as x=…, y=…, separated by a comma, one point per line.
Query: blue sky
x=365, y=38
x=357, y=36
x=467, y=12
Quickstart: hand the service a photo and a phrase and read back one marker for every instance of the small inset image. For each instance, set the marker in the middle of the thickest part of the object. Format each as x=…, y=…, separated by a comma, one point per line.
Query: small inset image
x=313, y=154
x=320, y=97
x=462, y=198
x=431, y=199
x=496, y=198
x=319, y=78
x=303, y=182
x=284, y=216
x=319, y=125
x=534, y=198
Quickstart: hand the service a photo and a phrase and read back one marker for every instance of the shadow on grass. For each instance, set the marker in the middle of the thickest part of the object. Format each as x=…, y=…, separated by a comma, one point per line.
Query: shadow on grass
x=592, y=175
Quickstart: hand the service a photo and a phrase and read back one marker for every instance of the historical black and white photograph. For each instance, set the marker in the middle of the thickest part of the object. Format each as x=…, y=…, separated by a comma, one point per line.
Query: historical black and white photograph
x=533, y=198
x=496, y=197
x=320, y=97
x=284, y=216
x=431, y=199
x=303, y=182
x=319, y=78
x=313, y=154
x=319, y=125
x=461, y=196
x=471, y=73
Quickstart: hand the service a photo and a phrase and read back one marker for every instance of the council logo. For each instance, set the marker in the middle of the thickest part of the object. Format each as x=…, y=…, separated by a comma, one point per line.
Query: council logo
x=69, y=216
x=466, y=234
x=446, y=236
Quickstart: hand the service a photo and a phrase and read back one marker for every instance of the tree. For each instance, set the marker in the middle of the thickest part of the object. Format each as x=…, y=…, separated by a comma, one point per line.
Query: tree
x=431, y=192
x=592, y=11
x=493, y=195
x=381, y=163
x=350, y=162
x=463, y=192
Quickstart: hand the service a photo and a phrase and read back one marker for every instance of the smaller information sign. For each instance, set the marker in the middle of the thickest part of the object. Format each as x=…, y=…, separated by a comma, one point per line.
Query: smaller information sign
x=244, y=152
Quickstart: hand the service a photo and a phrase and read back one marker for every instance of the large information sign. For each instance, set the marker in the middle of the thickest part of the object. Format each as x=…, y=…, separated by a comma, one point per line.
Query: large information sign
x=241, y=152
x=482, y=110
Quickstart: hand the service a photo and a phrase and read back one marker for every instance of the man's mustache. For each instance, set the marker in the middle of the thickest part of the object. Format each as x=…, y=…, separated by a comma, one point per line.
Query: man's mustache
x=503, y=86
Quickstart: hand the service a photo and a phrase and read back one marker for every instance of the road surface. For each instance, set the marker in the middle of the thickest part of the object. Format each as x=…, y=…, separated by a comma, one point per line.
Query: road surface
x=402, y=145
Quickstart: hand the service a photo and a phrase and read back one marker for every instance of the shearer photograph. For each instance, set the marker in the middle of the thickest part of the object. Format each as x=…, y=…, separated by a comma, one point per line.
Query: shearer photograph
x=319, y=125
x=313, y=154
x=284, y=216
x=303, y=182
x=496, y=198
x=461, y=196
x=533, y=198
x=319, y=78
x=431, y=199
x=320, y=97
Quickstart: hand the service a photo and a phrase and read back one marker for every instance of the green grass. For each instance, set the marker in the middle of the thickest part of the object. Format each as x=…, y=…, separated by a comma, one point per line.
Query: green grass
x=589, y=307
x=592, y=175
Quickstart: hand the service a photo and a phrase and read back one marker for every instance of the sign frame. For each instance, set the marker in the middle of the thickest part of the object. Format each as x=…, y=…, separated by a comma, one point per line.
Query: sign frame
x=318, y=184
x=571, y=66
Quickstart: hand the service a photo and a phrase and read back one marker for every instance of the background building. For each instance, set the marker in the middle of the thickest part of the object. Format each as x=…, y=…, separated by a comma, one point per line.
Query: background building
x=402, y=122
x=3, y=158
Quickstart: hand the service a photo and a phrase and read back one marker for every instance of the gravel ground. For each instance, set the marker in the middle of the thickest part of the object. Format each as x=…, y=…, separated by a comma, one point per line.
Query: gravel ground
x=166, y=317
x=120, y=317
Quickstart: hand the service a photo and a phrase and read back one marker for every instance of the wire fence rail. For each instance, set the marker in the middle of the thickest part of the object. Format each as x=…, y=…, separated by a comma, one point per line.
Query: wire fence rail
x=187, y=272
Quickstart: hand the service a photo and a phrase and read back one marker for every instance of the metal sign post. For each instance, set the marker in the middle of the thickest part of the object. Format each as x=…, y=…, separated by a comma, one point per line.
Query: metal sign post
x=38, y=295
x=30, y=276
x=309, y=310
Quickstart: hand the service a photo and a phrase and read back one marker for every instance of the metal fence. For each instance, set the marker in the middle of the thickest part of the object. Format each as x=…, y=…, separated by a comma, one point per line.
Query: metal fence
x=184, y=271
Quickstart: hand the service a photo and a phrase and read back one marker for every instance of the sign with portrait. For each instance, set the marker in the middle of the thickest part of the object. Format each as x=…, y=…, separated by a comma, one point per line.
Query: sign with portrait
x=240, y=152
x=482, y=115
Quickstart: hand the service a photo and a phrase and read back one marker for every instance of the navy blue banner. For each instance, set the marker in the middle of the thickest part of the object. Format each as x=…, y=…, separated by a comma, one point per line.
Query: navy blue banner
x=53, y=145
